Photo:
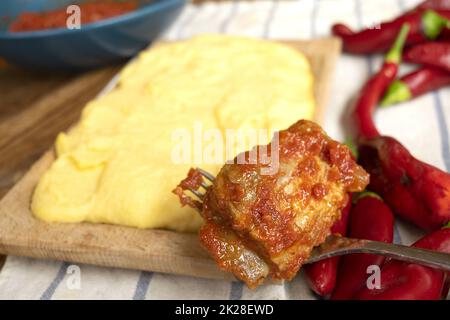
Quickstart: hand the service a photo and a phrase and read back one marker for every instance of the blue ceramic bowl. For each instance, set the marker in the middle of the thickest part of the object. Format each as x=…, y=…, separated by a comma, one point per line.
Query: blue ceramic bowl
x=93, y=45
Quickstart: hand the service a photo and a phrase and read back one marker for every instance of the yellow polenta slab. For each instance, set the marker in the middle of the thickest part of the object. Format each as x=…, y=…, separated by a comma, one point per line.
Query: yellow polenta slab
x=117, y=165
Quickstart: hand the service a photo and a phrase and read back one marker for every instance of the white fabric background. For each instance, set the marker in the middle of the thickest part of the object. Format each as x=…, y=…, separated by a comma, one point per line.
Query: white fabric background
x=422, y=125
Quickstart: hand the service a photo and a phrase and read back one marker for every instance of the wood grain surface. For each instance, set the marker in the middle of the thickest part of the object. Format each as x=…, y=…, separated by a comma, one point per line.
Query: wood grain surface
x=32, y=130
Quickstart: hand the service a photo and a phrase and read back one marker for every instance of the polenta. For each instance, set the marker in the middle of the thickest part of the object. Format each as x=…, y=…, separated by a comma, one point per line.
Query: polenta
x=116, y=165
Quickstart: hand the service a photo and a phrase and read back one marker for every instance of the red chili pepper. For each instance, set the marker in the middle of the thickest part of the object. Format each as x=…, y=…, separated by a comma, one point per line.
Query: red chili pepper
x=374, y=89
x=406, y=281
x=416, y=191
x=321, y=276
x=435, y=54
x=425, y=25
x=416, y=83
x=435, y=5
x=370, y=219
x=438, y=240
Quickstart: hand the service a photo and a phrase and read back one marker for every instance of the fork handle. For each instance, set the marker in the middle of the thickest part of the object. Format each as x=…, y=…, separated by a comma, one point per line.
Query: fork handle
x=337, y=246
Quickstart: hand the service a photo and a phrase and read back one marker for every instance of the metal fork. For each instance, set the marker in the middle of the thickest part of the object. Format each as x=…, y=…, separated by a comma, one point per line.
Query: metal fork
x=337, y=245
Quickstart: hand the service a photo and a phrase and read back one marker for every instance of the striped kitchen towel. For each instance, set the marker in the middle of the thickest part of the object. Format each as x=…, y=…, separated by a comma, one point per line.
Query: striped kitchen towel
x=429, y=116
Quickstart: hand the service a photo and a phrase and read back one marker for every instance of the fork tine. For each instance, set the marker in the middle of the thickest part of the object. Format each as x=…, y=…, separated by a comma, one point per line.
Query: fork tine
x=206, y=174
x=204, y=185
x=197, y=193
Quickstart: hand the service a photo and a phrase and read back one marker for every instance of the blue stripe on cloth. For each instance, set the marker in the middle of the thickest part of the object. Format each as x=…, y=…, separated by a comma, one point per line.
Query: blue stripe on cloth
x=269, y=20
x=236, y=290
x=184, y=23
x=142, y=285
x=443, y=130
x=50, y=291
x=233, y=10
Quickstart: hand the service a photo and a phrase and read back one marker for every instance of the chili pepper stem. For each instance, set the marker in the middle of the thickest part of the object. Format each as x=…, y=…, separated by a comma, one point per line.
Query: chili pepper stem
x=375, y=87
x=397, y=92
x=352, y=146
x=433, y=24
x=364, y=194
x=395, y=53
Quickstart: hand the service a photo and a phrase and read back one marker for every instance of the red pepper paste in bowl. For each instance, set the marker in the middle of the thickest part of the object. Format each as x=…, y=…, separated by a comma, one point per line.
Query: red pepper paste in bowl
x=90, y=12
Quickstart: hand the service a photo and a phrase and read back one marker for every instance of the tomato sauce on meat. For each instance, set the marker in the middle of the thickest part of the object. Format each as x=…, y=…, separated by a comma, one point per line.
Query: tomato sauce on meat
x=279, y=217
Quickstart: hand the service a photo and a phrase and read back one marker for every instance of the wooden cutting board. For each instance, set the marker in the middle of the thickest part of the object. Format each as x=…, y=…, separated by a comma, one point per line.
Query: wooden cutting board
x=116, y=246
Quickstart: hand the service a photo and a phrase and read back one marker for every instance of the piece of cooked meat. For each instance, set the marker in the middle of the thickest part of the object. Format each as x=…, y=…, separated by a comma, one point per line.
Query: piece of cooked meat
x=259, y=225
